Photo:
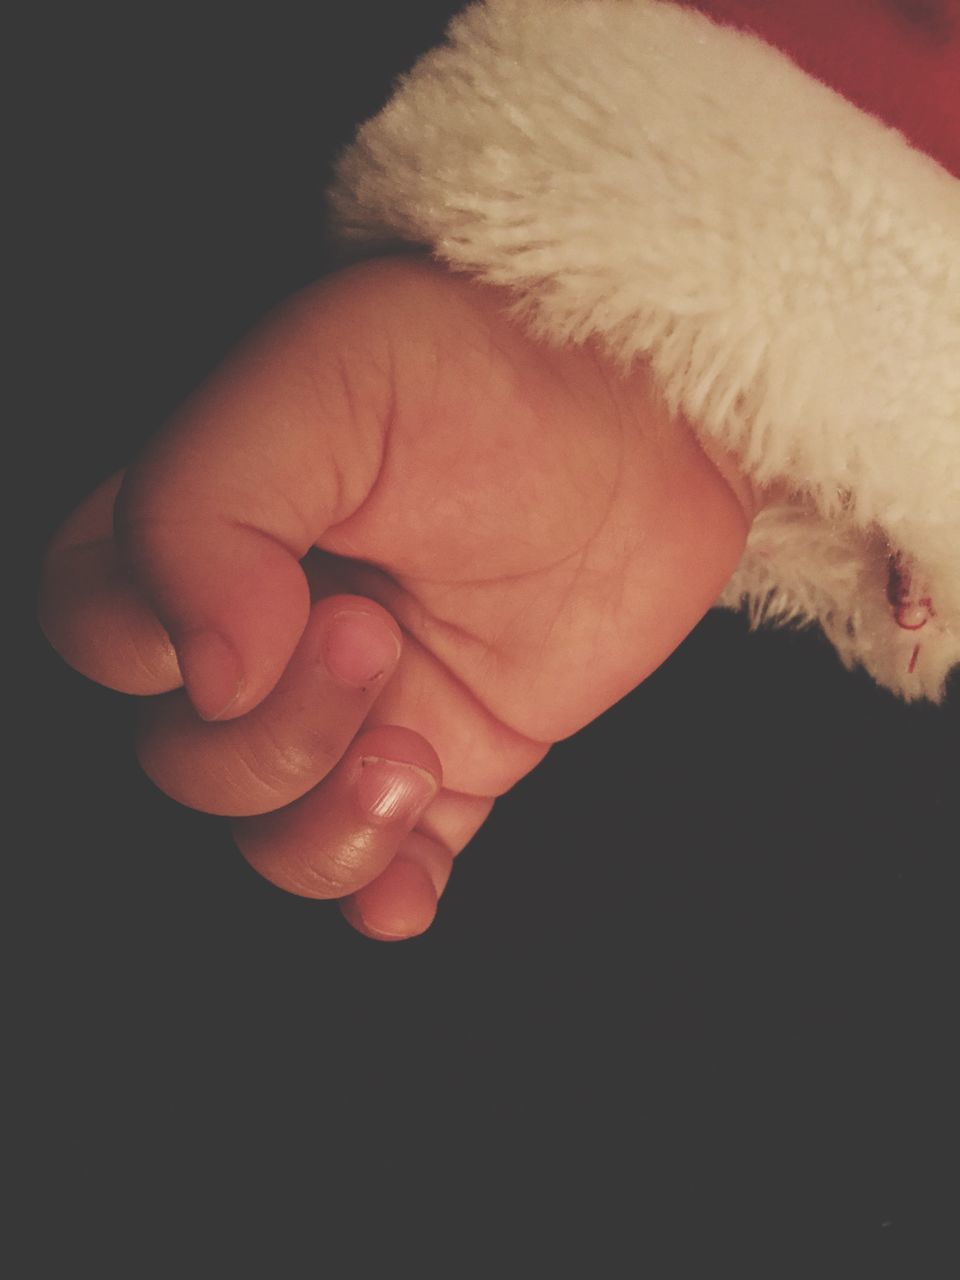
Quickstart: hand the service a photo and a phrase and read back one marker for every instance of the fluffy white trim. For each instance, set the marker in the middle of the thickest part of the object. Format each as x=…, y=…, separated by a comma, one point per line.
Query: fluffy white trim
x=788, y=265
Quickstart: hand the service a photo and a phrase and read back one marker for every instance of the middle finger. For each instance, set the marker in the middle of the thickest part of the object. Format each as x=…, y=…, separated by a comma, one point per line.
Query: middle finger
x=289, y=742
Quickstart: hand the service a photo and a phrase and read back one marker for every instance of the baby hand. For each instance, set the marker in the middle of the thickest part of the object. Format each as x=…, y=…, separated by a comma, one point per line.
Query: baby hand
x=390, y=531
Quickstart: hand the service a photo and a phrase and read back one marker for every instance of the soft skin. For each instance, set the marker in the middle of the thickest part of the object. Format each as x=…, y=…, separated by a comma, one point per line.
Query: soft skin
x=515, y=534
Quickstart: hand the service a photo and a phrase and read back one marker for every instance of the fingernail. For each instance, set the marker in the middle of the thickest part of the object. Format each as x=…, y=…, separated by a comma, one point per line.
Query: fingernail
x=359, y=648
x=390, y=791
x=212, y=673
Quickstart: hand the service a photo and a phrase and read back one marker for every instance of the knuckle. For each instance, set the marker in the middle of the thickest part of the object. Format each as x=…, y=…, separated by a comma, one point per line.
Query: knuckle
x=332, y=874
x=298, y=865
x=280, y=769
x=343, y=868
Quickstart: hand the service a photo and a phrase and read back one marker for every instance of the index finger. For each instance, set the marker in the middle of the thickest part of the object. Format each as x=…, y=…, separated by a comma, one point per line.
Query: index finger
x=283, y=442
x=93, y=611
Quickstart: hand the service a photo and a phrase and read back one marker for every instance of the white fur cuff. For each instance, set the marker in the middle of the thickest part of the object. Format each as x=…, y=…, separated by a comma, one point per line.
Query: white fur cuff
x=788, y=265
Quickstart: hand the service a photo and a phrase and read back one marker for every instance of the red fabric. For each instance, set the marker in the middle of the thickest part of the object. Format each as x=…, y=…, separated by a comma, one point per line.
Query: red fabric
x=897, y=59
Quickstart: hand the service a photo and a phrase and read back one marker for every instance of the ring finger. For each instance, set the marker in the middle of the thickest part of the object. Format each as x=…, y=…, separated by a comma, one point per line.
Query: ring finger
x=346, y=831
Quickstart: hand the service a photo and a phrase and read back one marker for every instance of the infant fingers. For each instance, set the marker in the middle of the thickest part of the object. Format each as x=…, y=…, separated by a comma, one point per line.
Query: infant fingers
x=290, y=741
x=93, y=612
x=345, y=832
x=402, y=901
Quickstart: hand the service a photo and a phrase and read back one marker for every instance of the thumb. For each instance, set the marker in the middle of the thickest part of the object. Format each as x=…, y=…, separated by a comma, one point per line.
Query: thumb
x=283, y=441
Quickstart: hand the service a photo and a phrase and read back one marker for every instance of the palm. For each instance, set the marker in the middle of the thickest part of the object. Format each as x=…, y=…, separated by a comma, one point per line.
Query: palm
x=542, y=534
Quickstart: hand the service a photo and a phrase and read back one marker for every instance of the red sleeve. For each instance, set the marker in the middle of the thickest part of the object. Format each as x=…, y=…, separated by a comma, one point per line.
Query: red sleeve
x=897, y=59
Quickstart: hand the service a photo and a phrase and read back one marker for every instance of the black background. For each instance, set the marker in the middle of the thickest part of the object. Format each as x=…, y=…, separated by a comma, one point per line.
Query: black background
x=694, y=983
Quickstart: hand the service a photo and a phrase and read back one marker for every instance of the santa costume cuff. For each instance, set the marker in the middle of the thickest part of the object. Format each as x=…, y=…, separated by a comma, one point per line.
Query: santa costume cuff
x=708, y=188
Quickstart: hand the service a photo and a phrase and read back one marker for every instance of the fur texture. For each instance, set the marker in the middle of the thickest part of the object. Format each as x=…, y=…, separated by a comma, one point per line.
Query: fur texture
x=788, y=266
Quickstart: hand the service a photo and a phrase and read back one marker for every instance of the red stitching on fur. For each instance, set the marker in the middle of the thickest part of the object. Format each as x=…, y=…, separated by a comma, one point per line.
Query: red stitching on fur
x=903, y=605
